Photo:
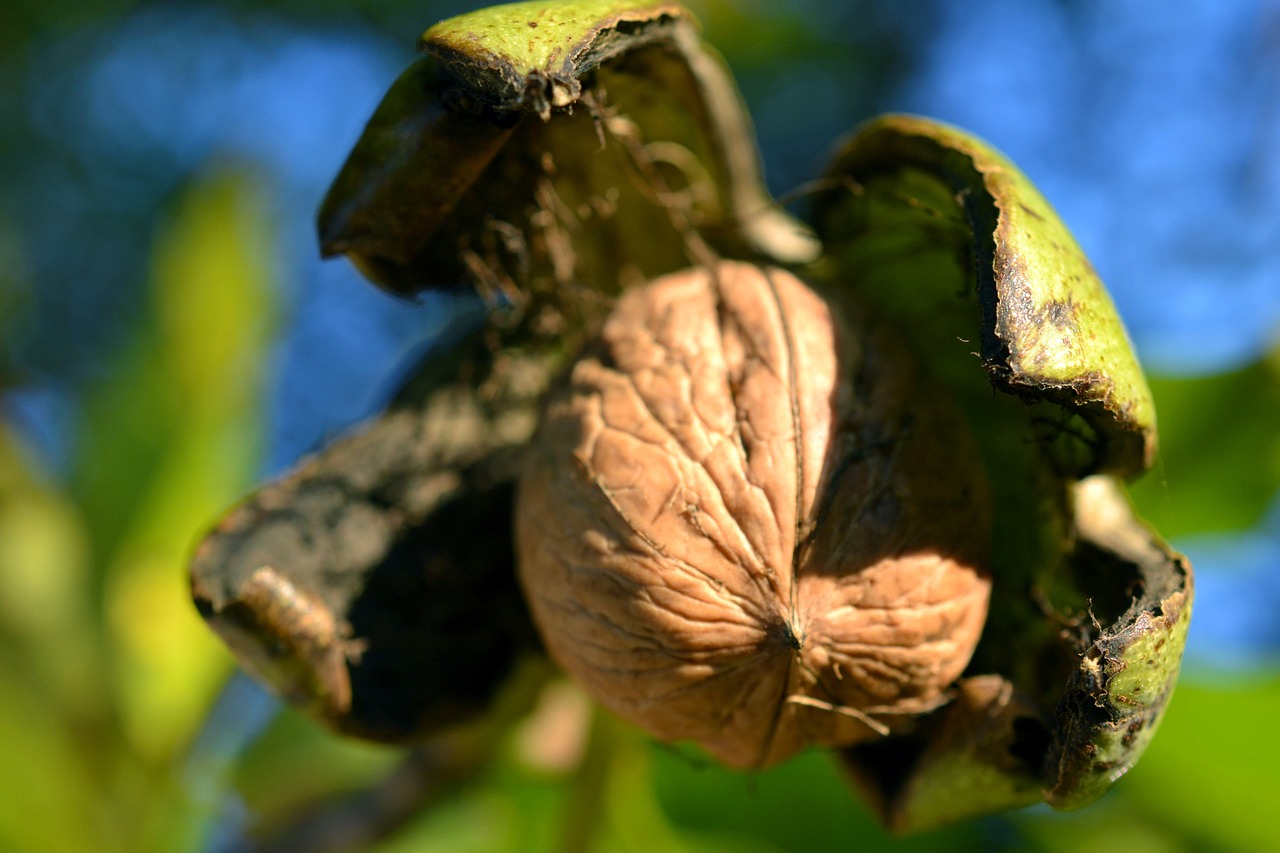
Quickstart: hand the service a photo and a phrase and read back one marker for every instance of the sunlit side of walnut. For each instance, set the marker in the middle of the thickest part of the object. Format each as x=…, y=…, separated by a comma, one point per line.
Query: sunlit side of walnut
x=745, y=524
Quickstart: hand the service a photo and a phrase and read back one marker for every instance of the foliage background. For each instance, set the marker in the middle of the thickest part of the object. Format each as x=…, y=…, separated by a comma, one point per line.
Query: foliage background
x=168, y=337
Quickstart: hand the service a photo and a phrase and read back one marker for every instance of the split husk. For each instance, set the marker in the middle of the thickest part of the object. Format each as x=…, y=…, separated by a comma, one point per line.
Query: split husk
x=551, y=168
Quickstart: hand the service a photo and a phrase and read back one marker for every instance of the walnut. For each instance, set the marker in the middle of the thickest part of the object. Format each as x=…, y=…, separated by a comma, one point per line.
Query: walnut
x=747, y=525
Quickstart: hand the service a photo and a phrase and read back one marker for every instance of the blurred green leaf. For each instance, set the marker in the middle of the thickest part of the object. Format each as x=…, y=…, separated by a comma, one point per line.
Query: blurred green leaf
x=805, y=804
x=1208, y=782
x=295, y=762
x=179, y=409
x=46, y=671
x=1219, y=464
x=51, y=802
x=195, y=402
x=1112, y=824
x=44, y=567
x=1213, y=777
x=483, y=821
x=108, y=670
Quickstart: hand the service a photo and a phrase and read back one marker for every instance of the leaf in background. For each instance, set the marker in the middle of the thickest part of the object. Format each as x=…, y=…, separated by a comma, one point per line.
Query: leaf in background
x=1202, y=785
x=1221, y=787
x=168, y=440
x=50, y=677
x=45, y=604
x=1220, y=451
x=212, y=301
x=803, y=804
x=294, y=762
x=52, y=800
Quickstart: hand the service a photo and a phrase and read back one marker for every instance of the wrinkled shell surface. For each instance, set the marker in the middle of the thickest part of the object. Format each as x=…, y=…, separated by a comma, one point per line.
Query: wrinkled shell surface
x=744, y=525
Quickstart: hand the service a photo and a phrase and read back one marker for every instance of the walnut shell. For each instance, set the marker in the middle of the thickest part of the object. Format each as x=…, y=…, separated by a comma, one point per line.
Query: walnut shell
x=745, y=526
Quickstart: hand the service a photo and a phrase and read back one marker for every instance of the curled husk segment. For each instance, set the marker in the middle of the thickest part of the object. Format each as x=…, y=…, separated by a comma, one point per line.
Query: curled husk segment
x=752, y=524
x=549, y=150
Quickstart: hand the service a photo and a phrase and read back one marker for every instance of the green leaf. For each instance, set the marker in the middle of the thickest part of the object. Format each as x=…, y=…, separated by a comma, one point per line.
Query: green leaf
x=175, y=439
x=1219, y=466
x=1206, y=783
x=804, y=804
x=46, y=603
x=1222, y=786
x=47, y=777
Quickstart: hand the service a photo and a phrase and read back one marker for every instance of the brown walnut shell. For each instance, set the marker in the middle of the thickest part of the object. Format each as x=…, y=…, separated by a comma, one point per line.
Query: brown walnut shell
x=748, y=525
